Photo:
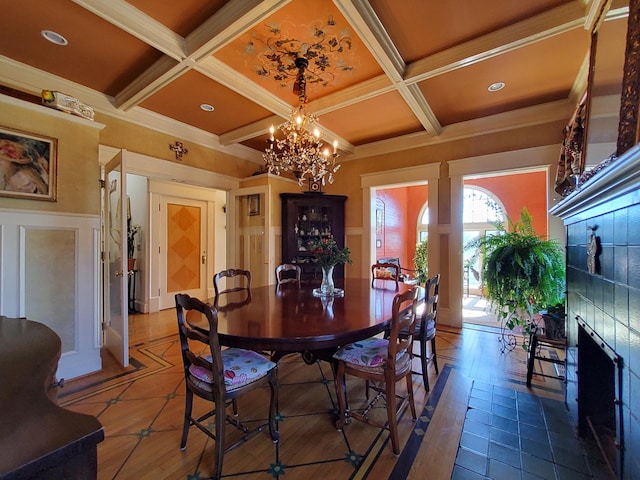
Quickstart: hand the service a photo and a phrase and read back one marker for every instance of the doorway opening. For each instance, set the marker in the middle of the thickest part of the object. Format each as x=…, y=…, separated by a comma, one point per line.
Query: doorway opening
x=481, y=211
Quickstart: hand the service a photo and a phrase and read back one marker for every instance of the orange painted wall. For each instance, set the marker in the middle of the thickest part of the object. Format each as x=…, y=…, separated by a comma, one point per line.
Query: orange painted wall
x=401, y=207
x=517, y=191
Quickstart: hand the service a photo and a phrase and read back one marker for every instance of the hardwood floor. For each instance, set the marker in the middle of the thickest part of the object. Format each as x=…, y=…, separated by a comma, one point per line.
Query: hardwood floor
x=142, y=408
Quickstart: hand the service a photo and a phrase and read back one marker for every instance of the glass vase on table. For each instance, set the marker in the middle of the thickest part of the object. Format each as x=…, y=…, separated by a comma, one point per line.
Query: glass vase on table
x=328, y=255
x=327, y=286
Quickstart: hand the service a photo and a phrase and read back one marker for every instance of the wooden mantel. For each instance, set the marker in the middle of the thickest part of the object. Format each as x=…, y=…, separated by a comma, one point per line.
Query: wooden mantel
x=616, y=186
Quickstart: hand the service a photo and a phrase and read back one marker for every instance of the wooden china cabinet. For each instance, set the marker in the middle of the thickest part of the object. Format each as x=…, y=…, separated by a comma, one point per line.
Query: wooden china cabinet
x=306, y=218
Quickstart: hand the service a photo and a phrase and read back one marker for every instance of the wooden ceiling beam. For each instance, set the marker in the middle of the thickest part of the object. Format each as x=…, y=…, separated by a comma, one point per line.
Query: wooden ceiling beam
x=364, y=20
x=137, y=23
x=553, y=22
x=231, y=20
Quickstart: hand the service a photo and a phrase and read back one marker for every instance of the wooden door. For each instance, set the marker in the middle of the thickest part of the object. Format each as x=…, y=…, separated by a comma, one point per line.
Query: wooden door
x=184, y=257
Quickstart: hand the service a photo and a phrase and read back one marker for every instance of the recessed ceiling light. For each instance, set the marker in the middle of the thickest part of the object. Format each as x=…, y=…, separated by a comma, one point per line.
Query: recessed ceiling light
x=54, y=37
x=494, y=87
x=206, y=107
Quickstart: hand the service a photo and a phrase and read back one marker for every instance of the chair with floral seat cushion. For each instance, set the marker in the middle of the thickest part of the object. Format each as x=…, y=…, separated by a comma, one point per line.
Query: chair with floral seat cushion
x=381, y=272
x=219, y=376
x=382, y=362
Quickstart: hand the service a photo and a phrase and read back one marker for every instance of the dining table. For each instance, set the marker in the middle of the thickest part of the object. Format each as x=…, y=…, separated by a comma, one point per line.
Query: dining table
x=291, y=318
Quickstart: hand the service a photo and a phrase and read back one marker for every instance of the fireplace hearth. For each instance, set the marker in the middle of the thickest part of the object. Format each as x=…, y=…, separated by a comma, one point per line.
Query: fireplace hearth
x=599, y=393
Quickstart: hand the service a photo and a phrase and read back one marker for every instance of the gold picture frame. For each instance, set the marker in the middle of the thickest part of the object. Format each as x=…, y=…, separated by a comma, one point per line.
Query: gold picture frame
x=28, y=165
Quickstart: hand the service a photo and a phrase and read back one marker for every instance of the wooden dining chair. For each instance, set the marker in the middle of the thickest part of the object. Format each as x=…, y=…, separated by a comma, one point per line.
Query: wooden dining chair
x=384, y=272
x=220, y=376
x=235, y=281
x=288, y=273
x=382, y=362
x=425, y=333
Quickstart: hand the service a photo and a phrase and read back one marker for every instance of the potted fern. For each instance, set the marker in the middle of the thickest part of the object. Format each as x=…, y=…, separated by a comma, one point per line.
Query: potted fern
x=522, y=272
x=420, y=261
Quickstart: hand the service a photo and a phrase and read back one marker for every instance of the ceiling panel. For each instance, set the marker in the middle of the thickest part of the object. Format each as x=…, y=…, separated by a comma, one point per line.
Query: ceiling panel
x=93, y=44
x=132, y=54
x=181, y=16
x=538, y=73
x=295, y=28
x=423, y=28
x=378, y=118
x=181, y=99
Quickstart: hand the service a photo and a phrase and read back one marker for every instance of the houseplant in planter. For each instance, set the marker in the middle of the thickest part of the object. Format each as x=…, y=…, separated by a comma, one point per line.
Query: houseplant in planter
x=132, y=231
x=420, y=261
x=522, y=273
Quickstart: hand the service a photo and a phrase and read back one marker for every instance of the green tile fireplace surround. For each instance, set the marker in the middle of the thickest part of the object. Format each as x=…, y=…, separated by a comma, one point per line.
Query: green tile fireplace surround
x=606, y=301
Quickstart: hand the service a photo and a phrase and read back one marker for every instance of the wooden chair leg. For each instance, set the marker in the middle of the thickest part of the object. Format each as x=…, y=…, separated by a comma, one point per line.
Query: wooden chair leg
x=342, y=395
x=390, y=393
x=273, y=408
x=412, y=404
x=531, y=358
x=434, y=354
x=220, y=422
x=188, y=406
x=424, y=361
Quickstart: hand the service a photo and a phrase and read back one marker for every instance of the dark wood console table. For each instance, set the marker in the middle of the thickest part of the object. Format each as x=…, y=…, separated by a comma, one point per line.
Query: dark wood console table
x=39, y=439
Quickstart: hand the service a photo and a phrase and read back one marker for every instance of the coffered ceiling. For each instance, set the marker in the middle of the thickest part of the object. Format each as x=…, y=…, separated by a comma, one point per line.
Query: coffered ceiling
x=397, y=73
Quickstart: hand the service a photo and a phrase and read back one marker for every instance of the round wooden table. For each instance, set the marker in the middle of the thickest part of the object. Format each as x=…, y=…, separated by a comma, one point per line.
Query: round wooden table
x=289, y=318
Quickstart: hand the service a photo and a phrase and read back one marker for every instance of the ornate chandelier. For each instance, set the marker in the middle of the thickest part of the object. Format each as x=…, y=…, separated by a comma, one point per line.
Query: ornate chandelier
x=300, y=151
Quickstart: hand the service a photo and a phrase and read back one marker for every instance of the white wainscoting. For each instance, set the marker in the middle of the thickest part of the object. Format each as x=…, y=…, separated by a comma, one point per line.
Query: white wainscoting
x=50, y=273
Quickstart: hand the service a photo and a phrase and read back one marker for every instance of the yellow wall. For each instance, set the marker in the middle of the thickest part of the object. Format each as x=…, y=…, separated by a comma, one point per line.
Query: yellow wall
x=78, y=171
x=347, y=179
x=120, y=134
x=78, y=167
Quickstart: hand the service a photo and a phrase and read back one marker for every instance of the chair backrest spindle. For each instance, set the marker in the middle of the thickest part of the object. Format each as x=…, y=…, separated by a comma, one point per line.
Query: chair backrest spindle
x=233, y=284
x=283, y=273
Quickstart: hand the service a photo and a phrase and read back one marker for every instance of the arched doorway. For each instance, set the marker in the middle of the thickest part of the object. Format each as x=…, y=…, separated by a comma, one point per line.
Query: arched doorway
x=481, y=211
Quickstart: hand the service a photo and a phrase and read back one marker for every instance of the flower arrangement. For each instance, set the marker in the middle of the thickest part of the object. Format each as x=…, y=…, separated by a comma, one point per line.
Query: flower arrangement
x=132, y=231
x=328, y=254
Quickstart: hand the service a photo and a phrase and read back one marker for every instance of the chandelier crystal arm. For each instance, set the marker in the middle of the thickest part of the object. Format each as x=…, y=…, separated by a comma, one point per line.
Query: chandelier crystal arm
x=300, y=151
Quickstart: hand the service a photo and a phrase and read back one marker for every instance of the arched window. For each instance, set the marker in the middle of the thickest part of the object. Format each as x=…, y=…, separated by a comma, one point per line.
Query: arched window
x=481, y=210
x=481, y=207
x=423, y=223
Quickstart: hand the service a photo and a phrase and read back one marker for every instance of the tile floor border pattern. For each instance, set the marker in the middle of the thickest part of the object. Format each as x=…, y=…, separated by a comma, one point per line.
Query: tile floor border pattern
x=511, y=434
x=142, y=362
x=408, y=454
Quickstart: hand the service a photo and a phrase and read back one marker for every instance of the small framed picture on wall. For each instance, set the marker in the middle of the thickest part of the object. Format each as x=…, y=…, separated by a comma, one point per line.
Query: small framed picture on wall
x=254, y=205
x=27, y=165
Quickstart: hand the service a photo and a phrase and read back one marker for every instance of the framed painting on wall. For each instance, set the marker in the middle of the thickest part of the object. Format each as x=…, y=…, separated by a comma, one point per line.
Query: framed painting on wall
x=27, y=165
x=254, y=205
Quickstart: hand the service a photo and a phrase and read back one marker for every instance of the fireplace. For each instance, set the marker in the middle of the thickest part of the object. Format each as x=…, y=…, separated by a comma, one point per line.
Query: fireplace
x=599, y=393
x=605, y=302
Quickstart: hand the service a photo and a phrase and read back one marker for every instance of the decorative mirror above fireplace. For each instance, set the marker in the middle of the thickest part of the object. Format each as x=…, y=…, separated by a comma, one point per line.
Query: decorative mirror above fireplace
x=605, y=84
x=598, y=132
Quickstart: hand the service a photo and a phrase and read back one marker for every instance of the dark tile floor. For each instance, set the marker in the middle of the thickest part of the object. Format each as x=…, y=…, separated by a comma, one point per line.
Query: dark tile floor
x=511, y=435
